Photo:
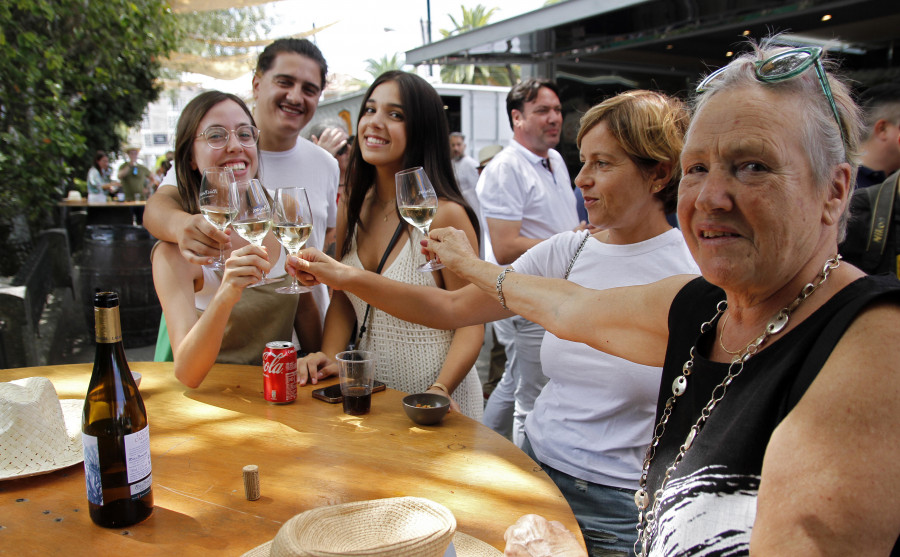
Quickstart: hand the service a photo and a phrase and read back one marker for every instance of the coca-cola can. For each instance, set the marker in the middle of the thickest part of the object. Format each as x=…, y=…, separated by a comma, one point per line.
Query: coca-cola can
x=279, y=361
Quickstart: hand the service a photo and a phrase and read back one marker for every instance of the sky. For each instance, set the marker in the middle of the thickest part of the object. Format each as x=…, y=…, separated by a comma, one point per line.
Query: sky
x=366, y=29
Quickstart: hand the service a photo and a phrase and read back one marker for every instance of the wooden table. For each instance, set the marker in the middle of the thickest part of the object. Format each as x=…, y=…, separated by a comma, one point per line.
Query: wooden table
x=114, y=212
x=84, y=203
x=309, y=454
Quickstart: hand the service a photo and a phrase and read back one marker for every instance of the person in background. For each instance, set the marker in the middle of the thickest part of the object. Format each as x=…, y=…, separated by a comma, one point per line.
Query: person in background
x=466, y=170
x=136, y=179
x=526, y=196
x=99, y=181
x=781, y=367
x=162, y=170
x=881, y=135
x=289, y=79
x=211, y=316
x=590, y=425
x=332, y=136
x=401, y=125
x=486, y=154
x=497, y=351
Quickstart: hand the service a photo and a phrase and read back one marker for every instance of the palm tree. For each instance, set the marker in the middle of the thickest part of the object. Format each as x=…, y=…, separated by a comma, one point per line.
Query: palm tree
x=378, y=67
x=479, y=16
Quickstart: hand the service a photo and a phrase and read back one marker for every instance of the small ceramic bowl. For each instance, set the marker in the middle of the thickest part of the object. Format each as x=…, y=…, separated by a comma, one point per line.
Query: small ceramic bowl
x=426, y=408
x=137, y=378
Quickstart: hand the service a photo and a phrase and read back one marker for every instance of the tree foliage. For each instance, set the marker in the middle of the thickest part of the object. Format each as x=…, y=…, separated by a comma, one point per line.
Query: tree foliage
x=72, y=73
x=471, y=19
x=384, y=64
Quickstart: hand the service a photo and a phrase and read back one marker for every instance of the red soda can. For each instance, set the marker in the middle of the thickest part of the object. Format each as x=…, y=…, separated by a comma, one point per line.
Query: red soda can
x=279, y=361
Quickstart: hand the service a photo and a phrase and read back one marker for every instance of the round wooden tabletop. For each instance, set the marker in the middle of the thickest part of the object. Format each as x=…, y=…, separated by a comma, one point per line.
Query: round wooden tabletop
x=309, y=454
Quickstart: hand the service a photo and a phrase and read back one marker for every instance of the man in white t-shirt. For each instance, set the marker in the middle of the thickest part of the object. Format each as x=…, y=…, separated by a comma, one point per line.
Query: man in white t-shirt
x=289, y=79
x=526, y=196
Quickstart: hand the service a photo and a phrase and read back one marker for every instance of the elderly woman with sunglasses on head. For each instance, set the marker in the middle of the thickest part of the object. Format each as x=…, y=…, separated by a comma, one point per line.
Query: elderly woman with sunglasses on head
x=777, y=416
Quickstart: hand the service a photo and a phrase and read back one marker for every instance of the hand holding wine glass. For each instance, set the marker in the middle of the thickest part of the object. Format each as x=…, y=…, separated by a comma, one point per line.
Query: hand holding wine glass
x=217, y=204
x=292, y=222
x=254, y=217
x=417, y=203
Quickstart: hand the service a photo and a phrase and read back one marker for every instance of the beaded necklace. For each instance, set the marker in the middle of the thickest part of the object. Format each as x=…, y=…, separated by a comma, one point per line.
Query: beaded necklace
x=647, y=518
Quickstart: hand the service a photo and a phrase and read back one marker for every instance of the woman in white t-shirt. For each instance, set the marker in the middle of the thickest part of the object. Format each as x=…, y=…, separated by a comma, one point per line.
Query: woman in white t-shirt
x=593, y=420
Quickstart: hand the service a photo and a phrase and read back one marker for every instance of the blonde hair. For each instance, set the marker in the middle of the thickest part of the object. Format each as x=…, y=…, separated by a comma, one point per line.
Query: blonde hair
x=650, y=128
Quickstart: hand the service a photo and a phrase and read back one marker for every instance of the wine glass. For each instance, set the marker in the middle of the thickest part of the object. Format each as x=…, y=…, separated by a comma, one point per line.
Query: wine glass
x=254, y=217
x=417, y=203
x=292, y=222
x=217, y=205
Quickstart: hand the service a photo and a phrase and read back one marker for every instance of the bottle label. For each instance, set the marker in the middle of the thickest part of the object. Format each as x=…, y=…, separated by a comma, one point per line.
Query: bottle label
x=107, y=326
x=136, y=457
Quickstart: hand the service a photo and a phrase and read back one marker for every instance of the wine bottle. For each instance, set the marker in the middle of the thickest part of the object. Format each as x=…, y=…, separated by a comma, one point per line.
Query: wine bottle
x=115, y=431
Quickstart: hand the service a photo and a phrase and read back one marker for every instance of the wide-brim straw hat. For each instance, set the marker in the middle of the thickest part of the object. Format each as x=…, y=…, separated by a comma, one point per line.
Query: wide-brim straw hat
x=400, y=526
x=38, y=432
x=487, y=153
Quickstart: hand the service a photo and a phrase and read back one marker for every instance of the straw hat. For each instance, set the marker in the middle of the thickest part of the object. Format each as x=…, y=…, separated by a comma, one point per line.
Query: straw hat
x=487, y=153
x=38, y=432
x=401, y=526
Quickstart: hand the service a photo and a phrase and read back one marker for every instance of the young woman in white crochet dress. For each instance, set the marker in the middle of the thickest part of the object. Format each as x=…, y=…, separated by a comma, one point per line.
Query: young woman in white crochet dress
x=401, y=125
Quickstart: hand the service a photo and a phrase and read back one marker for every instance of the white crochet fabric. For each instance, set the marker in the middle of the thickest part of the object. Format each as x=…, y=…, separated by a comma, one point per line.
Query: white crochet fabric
x=409, y=357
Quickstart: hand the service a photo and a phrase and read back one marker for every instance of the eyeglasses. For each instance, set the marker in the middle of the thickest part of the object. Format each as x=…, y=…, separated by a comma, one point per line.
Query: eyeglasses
x=788, y=65
x=217, y=136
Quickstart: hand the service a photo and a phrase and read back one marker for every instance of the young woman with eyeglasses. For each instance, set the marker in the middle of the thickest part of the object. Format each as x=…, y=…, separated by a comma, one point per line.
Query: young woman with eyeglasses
x=210, y=315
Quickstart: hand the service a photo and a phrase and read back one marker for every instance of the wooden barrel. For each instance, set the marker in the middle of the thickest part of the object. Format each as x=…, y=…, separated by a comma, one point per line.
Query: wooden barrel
x=117, y=258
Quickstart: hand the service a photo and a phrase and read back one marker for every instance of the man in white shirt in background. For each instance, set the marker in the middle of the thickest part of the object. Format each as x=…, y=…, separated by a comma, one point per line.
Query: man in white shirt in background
x=289, y=79
x=465, y=168
x=526, y=196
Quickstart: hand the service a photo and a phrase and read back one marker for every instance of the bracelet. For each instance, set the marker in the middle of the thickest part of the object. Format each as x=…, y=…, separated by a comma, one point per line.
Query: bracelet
x=500, y=278
x=440, y=386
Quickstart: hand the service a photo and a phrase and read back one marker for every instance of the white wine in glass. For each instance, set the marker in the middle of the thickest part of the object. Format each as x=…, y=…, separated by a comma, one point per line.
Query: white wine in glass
x=254, y=217
x=417, y=203
x=217, y=204
x=293, y=223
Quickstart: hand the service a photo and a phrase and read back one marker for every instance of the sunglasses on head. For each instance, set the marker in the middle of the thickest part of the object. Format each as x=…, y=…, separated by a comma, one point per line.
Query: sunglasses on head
x=788, y=65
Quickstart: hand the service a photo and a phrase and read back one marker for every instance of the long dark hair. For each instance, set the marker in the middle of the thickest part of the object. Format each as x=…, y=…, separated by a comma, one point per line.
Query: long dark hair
x=97, y=156
x=427, y=145
x=185, y=132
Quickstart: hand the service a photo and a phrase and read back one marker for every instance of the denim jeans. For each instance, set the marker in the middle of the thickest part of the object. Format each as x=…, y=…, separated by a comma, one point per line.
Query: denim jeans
x=607, y=515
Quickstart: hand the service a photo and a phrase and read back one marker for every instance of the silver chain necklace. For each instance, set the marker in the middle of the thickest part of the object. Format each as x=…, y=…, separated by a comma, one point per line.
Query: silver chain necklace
x=647, y=518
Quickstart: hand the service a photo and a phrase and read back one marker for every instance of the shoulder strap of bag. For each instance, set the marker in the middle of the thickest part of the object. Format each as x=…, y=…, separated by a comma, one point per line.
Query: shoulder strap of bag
x=387, y=251
x=577, y=253
x=881, y=199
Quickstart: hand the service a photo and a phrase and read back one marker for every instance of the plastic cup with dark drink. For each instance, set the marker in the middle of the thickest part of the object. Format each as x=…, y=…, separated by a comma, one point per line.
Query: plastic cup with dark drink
x=357, y=373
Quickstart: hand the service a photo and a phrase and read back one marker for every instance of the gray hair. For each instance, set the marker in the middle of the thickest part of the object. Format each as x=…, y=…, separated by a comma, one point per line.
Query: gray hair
x=822, y=138
x=458, y=134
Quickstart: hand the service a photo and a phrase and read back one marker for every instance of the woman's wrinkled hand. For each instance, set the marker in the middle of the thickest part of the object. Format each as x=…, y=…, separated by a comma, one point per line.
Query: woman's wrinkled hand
x=312, y=267
x=314, y=367
x=535, y=536
x=448, y=246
